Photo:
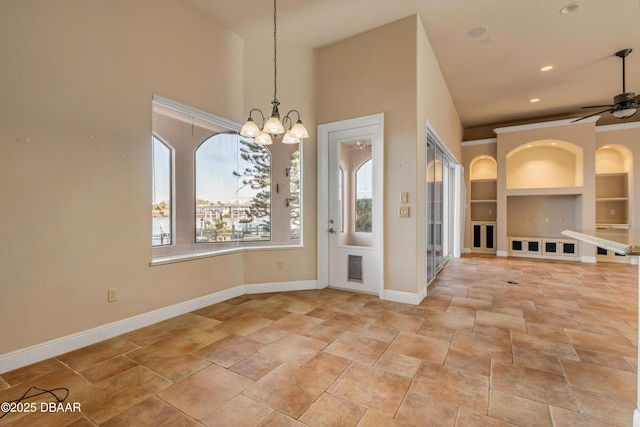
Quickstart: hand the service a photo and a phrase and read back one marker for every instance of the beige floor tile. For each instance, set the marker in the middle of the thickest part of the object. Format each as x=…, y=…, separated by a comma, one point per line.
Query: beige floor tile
x=357, y=348
x=461, y=388
x=501, y=320
x=376, y=419
x=151, y=412
x=241, y=411
x=459, y=322
x=87, y=356
x=202, y=393
x=604, y=406
x=602, y=343
x=31, y=372
x=420, y=347
x=346, y=322
x=399, y=364
x=327, y=364
x=532, y=384
x=468, y=418
x=518, y=410
x=400, y=322
x=563, y=417
x=229, y=350
x=540, y=343
x=330, y=410
x=419, y=409
x=297, y=323
x=294, y=349
x=245, y=325
x=497, y=348
x=256, y=366
x=172, y=358
x=108, y=368
x=468, y=362
x=601, y=379
x=297, y=389
x=374, y=389
x=115, y=394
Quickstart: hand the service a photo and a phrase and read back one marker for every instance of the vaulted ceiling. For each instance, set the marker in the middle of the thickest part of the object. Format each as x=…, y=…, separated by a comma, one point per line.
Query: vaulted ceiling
x=491, y=77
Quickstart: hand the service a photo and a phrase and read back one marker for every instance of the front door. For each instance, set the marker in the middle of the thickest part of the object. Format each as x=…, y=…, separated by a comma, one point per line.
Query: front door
x=350, y=217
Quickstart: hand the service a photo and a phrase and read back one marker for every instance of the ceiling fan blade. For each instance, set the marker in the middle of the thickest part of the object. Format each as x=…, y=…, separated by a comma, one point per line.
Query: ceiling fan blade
x=594, y=114
x=599, y=106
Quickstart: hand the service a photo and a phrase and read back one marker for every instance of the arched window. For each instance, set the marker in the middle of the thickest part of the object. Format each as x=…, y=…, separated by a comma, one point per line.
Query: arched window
x=233, y=191
x=162, y=197
x=364, y=193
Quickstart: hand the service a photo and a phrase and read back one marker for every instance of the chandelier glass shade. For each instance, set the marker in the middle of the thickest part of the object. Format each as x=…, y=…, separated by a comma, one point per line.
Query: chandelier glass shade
x=272, y=127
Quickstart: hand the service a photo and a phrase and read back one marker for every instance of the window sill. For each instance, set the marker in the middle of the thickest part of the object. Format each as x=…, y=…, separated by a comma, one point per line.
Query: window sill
x=171, y=259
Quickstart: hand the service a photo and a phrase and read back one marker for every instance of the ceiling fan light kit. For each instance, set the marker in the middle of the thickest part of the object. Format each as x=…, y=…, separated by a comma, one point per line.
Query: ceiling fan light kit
x=625, y=104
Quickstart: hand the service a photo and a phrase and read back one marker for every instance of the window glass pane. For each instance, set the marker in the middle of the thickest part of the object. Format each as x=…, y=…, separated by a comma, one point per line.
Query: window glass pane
x=364, y=181
x=161, y=198
x=294, y=196
x=233, y=194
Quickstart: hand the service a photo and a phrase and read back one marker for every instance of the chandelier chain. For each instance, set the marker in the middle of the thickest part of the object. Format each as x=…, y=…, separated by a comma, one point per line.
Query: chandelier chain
x=275, y=53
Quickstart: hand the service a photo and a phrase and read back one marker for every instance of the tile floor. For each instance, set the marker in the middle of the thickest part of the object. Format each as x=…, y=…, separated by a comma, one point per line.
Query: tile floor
x=559, y=348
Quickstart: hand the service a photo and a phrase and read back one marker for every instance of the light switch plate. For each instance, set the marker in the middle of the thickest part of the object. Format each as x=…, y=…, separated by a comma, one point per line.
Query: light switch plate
x=404, y=197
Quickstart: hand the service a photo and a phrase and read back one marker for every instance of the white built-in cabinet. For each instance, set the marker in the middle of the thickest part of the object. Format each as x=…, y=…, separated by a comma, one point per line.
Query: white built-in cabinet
x=483, y=205
x=612, y=196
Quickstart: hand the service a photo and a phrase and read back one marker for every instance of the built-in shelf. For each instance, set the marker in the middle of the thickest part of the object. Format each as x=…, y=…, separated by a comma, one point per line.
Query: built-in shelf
x=483, y=198
x=554, y=191
x=612, y=198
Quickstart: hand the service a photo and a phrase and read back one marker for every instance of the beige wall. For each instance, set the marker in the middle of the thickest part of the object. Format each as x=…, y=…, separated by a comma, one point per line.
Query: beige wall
x=75, y=126
x=393, y=70
x=375, y=72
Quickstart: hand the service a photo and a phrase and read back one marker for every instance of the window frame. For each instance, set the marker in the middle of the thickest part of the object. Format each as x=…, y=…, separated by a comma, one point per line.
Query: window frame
x=183, y=245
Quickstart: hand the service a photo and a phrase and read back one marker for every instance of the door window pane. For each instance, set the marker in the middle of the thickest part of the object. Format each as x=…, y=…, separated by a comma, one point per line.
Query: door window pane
x=364, y=181
x=162, y=194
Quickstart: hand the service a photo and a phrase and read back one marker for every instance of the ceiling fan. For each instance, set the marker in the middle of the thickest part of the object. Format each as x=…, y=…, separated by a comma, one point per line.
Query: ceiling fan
x=624, y=105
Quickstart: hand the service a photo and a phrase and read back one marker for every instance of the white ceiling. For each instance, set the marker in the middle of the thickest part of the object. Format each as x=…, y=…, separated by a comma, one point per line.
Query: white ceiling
x=493, y=77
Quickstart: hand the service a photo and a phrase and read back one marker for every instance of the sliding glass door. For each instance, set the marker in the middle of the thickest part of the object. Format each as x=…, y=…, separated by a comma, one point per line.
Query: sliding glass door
x=440, y=206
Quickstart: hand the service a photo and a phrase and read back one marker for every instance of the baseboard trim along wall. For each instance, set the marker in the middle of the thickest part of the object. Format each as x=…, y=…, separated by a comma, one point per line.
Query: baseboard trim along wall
x=405, y=297
x=36, y=353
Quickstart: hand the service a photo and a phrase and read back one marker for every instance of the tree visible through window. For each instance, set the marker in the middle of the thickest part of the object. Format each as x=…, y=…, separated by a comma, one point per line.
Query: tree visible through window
x=364, y=201
x=233, y=192
x=161, y=201
x=294, y=194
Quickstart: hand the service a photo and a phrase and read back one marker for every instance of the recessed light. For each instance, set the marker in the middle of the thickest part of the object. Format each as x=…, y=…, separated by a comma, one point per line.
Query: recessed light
x=606, y=146
x=529, y=145
x=477, y=32
x=554, y=143
x=534, y=100
x=570, y=8
x=547, y=68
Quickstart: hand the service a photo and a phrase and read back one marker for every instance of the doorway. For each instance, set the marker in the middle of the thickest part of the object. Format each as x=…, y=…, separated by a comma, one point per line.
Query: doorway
x=350, y=170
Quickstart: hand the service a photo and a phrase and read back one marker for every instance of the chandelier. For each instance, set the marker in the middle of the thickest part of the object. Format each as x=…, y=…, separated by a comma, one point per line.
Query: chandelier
x=272, y=127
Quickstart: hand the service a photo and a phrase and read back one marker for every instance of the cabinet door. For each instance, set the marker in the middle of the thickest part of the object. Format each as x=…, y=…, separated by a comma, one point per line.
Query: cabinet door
x=477, y=236
x=489, y=236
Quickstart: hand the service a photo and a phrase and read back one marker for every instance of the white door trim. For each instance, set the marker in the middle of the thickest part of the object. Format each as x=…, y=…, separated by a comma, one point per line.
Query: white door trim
x=324, y=132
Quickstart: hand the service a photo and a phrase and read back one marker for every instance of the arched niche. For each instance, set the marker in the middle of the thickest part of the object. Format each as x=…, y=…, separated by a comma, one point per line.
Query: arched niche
x=613, y=158
x=545, y=164
x=483, y=167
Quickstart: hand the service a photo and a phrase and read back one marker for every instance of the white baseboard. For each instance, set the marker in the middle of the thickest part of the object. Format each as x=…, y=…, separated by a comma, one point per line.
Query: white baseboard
x=36, y=353
x=636, y=418
x=466, y=250
x=502, y=253
x=405, y=297
x=263, y=288
x=589, y=259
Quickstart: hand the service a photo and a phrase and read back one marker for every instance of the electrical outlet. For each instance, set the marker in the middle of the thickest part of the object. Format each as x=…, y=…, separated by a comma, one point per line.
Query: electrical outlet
x=403, y=212
x=613, y=212
x=112, y=294
x=280, y=265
